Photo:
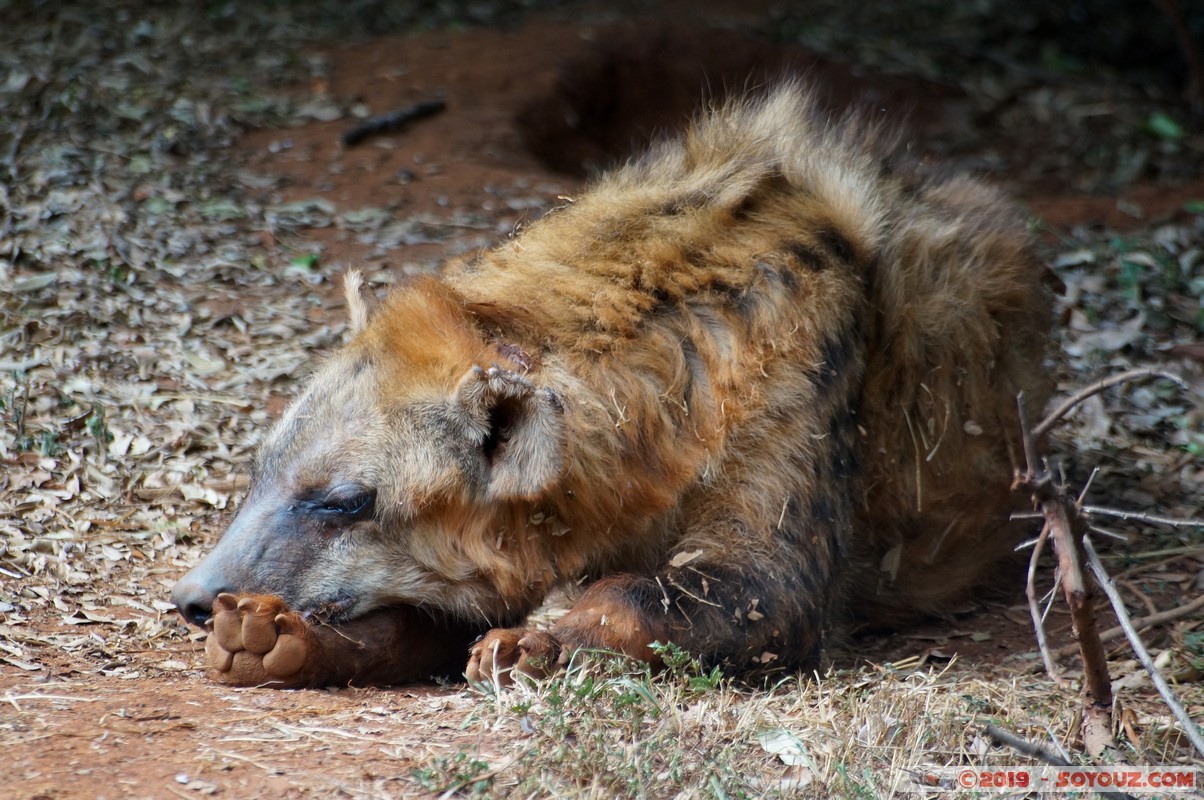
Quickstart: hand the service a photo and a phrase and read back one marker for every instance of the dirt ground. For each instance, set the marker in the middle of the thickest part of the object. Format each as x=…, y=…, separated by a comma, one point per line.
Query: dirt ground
x=216, y=288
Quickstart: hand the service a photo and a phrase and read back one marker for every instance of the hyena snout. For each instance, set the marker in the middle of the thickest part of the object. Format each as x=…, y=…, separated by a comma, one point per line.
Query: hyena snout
x=194, y=594
x=277, y=544
x=223, y=570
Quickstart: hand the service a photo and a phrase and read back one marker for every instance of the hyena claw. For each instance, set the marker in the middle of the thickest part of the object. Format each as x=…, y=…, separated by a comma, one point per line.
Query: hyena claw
x=503, y=652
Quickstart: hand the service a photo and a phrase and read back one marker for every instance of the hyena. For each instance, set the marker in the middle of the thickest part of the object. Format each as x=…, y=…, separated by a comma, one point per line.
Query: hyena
x=758, y=382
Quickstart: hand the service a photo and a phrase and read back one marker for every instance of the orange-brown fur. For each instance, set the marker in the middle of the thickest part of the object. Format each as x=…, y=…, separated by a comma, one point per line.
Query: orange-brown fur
x=759, y=376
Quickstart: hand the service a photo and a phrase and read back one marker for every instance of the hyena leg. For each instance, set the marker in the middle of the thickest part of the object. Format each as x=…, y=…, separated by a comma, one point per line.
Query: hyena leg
x=754, y=617
x=752, y=583
x=256, y=640
x=610, y=615
x=754, y=613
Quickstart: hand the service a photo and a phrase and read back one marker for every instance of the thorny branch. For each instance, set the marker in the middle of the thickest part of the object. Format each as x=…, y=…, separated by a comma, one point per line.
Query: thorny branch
x=1066, y=525
x=1066, y=530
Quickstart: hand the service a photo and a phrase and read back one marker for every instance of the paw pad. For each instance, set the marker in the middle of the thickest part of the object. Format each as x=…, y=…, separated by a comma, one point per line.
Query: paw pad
x=256, y=639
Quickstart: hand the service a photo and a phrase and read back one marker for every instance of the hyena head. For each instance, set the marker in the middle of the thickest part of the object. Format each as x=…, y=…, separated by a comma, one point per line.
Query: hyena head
x=395, y=477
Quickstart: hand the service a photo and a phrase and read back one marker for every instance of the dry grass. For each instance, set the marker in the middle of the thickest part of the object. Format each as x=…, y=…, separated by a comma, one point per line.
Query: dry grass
x=606, y=730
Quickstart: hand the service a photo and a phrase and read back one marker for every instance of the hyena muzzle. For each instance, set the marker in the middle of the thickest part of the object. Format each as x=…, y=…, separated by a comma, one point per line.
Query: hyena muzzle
x=759, y=382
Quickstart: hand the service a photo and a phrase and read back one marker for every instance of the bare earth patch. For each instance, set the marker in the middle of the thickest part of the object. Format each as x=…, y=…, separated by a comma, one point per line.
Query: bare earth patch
x=177, y=207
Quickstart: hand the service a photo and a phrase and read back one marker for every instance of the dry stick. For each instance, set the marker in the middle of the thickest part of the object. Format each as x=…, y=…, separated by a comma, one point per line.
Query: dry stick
x=1039, y=752
x=1141, y=516
x=1149, y=566
x=1066, y=535
x=1141, y=623
x=1030, y=590
x=1066, y=529
x=1028, y=438
x=1105, y=532
x=1122, y=616
x=1119, y=513
x=392, y=122
x=1069, y=403
x=1024, y=746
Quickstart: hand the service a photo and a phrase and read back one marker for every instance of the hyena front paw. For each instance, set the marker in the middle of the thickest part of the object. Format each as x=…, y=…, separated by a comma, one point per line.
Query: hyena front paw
x=504, y=651
x=256, y=640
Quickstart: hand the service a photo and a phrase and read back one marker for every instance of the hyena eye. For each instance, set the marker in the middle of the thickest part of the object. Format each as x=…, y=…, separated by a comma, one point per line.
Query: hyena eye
x=349, y=502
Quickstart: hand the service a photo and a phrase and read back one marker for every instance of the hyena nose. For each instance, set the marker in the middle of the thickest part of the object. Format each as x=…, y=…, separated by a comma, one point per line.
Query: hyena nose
x=194, y=599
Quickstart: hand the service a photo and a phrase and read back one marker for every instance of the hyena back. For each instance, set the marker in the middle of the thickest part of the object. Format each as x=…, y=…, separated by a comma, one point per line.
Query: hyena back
x=758, y=381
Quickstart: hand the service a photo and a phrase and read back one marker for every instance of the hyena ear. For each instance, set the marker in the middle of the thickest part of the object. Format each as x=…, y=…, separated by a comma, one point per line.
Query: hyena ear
x=520, y=430
x=357, y=309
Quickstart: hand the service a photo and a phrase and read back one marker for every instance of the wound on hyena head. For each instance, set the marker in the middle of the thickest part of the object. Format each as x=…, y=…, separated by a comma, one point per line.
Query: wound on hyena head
x=757, y=383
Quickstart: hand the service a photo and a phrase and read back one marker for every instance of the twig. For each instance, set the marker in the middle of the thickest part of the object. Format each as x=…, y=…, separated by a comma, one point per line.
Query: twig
x=1150, y=608
x=1024, y=746
x=1028, y=438
x=389, y=123
x=1053, y=741
x=1141, y=623
x=1187, y=549
x=1069, y=403
x=1030, y=590
x=1138, y=568
x=1086, y=487
x=1039, y=752
x=1141, y=516
x=238, y=756
x=58, y=698
x=1105, y=532
x=1122, y=616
